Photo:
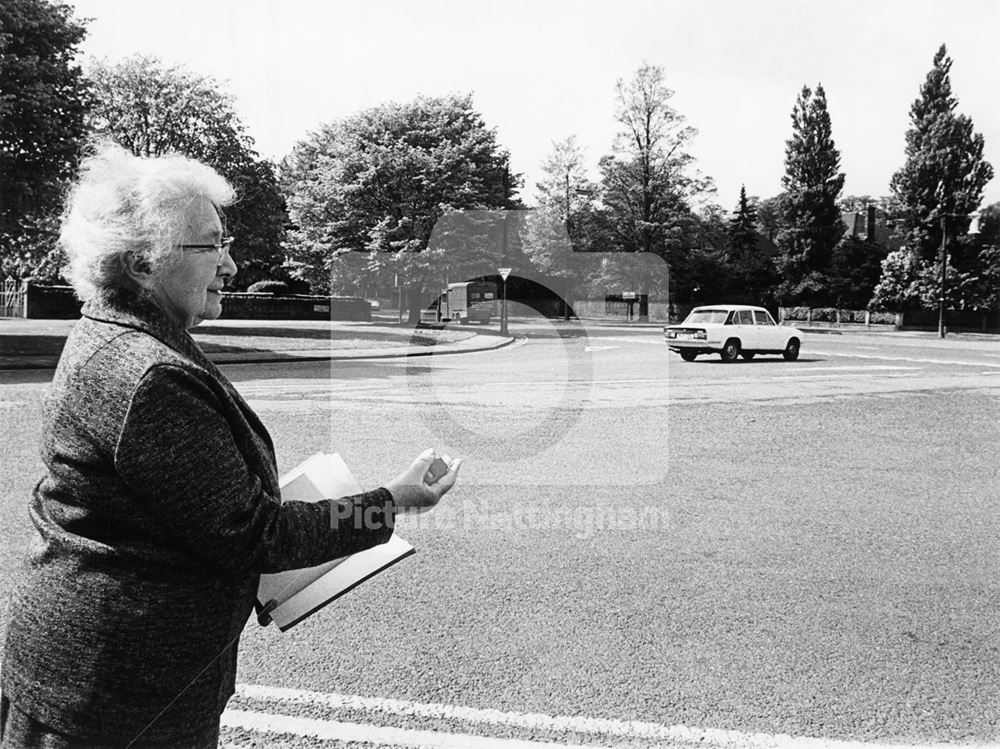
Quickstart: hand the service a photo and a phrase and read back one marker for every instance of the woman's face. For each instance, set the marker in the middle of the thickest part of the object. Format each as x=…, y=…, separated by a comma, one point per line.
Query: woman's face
x=188, y=290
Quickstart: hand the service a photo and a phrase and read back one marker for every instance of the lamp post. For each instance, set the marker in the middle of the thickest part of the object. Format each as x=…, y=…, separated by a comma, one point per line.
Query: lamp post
x=503, y=307
x=973, y=229
x=942, y=332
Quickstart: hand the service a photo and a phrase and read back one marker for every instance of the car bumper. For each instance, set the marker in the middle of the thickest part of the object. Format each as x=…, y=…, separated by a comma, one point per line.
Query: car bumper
x=692, y=344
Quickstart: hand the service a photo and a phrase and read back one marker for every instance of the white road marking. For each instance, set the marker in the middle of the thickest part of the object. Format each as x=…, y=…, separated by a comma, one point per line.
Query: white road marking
x=620, y=729
x=331, y=730
x=656, y=339
x=859, y=367
x=600, y=348
x=914, y=359
x=812, y=374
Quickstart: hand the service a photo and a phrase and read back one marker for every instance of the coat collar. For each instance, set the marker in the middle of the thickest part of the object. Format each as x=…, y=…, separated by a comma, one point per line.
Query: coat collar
x=125, y=307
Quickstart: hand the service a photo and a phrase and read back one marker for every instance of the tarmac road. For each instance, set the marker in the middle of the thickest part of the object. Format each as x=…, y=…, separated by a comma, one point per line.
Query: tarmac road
x=803, y=548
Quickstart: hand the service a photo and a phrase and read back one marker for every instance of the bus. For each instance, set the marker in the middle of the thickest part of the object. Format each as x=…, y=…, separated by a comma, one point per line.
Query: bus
x=469, y=301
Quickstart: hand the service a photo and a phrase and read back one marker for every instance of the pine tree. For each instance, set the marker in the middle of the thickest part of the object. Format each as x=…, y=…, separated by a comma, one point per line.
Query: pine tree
x=945, y=173
x=752, y=270
x=812, y=183
x=743, y=228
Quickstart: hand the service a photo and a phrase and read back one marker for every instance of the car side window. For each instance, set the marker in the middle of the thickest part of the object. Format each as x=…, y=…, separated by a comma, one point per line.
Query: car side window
x=744, y=317
x=730, y=319
x=762, y=317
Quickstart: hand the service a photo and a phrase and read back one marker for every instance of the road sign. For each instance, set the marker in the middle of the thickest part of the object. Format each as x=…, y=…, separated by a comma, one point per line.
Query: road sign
x=504, y=272
x=628, y=295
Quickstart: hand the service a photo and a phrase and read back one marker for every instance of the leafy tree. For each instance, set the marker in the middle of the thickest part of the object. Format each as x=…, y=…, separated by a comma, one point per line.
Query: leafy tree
x=856, y=263
x=378, y=181
x=153, y=109
x=855, y=269
x=945, y=172
x=647, y=186
x=898, y=285
x=707, y=266
x=43, y=99
x=989, y=225
x=564, y=186
x=981, y=287
x=565, y=197
x=812, y=183
x=771, y=213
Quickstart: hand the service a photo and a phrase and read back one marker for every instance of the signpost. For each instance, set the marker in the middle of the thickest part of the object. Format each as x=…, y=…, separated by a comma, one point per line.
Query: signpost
x=504, y=272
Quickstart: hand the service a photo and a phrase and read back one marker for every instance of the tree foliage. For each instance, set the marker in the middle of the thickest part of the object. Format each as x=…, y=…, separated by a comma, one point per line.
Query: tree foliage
x=812, y=185
x=564, y=223
x=647, y=181
x=378, y=181
x=564, y=187
x=43, y=100
x=751, y=267
x=945, y=172
x=153, y=109
x=855, y=269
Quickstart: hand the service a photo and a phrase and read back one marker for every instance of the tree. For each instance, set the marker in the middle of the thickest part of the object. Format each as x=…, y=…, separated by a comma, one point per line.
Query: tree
x=378, y=181
x=981, y=289
x=812, y=183
x=647, y=186
x=945, y=172
x=565, y=190
x=565, y=225
x=43, y=100
x=152, y=109
x=771, y=213
x=898, y=285
x=855, y=269
x=752, y=270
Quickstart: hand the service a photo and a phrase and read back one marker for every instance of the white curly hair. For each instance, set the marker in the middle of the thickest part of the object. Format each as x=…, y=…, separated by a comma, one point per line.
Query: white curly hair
x=124, y=205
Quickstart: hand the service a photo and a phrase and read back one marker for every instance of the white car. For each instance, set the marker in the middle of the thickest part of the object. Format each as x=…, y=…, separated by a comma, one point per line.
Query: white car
x=732, y=330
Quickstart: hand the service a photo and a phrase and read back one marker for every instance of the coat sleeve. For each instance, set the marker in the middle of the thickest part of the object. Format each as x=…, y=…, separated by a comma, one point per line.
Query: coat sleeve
x=180, y=458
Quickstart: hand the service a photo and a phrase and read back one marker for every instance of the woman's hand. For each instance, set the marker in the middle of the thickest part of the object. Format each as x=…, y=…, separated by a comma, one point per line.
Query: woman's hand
x=411, y=492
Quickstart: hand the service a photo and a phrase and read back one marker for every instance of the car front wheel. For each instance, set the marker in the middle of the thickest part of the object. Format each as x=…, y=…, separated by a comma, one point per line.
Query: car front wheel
x=730, y=351
x=689, y=355
x=791, y=352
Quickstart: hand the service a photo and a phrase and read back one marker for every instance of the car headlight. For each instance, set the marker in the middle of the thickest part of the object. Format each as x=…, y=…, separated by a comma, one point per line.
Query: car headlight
x=700, y=335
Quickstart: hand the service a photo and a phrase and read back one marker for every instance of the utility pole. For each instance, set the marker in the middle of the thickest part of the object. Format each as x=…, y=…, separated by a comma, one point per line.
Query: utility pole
x=503, y=308
x=942, y=331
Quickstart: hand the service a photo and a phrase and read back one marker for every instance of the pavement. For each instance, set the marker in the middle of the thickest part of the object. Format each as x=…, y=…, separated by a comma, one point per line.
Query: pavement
x=36, y=344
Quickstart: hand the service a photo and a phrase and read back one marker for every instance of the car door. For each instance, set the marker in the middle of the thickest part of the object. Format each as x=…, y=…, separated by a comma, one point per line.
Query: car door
x=769, y=335
x=746, y=329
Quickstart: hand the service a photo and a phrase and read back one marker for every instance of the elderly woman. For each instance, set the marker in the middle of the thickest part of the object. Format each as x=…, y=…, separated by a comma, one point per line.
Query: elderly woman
x=160, y=506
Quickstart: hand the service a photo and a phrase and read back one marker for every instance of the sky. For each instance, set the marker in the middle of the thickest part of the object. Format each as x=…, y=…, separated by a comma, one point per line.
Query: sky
x=544, y=70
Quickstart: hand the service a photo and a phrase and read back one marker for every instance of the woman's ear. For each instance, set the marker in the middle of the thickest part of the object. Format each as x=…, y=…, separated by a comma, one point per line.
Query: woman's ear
x=138, y=269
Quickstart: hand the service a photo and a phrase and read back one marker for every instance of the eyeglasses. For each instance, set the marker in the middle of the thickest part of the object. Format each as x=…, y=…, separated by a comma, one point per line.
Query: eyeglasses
x=221, y=247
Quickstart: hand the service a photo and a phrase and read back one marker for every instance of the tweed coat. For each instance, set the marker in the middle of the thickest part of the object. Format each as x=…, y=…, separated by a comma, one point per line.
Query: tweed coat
x=159, y=509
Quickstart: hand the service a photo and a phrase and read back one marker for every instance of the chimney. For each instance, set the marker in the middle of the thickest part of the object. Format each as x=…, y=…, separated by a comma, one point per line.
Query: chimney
x=870, y=224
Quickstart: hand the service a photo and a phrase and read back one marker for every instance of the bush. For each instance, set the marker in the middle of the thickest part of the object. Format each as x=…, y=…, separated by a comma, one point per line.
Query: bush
x=268, y=287
x=796, y=313
x=883, y=318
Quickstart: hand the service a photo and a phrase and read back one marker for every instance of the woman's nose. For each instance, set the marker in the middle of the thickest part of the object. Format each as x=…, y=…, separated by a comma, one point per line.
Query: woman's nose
x=228, y=267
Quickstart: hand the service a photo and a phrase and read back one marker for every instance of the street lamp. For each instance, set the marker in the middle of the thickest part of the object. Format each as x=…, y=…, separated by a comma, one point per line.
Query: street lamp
x=973, y=229
x=944, y=276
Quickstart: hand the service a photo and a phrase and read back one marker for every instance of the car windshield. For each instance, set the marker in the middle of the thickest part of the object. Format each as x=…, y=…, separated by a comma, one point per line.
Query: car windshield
x=707, y=316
